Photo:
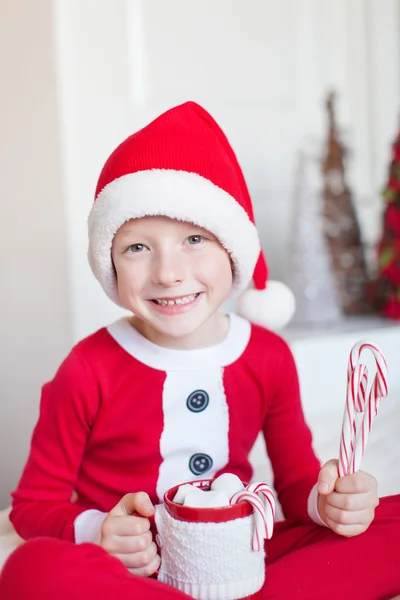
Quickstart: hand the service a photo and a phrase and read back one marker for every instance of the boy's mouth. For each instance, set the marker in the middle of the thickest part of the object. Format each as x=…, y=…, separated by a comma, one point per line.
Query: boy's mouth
x=175, y=301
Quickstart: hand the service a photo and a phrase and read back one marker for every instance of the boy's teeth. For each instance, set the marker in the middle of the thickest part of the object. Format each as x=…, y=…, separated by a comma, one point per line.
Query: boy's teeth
x=183, y=300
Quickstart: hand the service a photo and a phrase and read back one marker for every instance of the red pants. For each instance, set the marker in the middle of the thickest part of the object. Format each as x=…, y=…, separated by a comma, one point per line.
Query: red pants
x=305, y=562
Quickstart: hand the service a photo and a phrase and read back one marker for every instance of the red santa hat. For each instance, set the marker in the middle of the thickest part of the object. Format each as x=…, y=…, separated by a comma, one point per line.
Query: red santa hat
x=182, y=166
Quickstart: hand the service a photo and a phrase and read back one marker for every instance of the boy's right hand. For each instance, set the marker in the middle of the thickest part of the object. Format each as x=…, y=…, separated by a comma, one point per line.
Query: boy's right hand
x=125, y=534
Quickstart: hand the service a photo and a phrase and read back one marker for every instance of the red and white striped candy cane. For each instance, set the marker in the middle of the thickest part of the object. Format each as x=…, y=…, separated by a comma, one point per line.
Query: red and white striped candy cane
x=355, y=431
x=263, y=511
x=263, y=490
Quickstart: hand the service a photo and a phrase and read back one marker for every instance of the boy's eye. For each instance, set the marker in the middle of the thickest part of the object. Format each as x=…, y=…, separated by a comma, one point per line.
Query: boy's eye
x=136, y=248
x=195, y=239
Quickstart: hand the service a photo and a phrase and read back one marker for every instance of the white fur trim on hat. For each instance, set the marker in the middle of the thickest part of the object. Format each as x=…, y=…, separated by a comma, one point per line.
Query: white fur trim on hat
x=177, y=194
x=271, y=308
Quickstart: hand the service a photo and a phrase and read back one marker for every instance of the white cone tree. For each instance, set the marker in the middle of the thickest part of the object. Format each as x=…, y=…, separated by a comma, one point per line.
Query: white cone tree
x=310, y=273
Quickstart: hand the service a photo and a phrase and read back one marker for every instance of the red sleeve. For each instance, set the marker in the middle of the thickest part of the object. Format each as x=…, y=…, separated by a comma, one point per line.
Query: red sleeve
x=41, y=503
x=289, y=442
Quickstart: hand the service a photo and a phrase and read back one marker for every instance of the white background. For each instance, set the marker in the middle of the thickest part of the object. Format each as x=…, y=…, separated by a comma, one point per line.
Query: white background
x=262, y=68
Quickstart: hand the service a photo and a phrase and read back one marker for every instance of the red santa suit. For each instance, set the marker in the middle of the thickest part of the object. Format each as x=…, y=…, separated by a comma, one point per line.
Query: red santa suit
x=124, y=415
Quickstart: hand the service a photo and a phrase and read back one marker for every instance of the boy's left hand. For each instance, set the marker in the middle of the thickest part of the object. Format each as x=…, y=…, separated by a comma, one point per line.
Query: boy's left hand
x=346, y=504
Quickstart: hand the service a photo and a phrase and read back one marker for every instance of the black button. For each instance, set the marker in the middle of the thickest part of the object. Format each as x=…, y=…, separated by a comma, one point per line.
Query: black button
x=198, y=401
x=200, y=463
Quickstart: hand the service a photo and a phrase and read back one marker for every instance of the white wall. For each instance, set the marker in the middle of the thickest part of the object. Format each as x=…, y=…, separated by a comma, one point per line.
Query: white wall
x=263, y=68
x=34, y=313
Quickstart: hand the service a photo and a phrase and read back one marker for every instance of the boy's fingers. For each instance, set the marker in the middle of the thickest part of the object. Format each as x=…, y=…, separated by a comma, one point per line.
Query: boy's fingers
x=327, y=477
x=351, y=502
x=126, y=525
x=357, y=483
x=345, y=517
x=346, y=530
x=133, y=512
x=129, y=544
x=149, y=569
x=139, y=560
x=134, y=503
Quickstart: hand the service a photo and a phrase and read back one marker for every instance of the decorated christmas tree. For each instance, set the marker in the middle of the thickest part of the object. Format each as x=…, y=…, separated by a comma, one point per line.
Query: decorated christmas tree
x=388, y=282
x=341, y=227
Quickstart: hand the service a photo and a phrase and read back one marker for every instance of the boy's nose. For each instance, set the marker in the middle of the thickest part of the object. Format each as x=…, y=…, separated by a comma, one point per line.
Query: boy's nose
x=169, y=271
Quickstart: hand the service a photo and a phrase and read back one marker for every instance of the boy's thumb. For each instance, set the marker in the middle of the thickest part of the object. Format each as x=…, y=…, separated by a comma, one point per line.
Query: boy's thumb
x=327, y=477
x=130, y=504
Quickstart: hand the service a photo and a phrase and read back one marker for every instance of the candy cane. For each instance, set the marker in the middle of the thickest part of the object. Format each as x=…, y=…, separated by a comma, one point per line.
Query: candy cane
x=263, y=511
x=269, y=501
x=355, y=432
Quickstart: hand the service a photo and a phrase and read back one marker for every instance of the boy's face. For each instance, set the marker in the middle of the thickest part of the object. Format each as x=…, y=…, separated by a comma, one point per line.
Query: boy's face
x=172, y=275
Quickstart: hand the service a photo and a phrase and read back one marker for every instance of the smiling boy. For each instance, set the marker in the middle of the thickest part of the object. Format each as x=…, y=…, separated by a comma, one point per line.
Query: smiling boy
x=173, y=277
x=180, y=390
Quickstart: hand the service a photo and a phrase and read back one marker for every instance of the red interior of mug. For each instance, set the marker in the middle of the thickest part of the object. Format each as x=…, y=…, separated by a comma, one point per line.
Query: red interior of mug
x=204, y=515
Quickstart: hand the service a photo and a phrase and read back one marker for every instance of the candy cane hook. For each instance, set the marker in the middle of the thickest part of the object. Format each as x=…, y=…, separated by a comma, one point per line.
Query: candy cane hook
x=355, y=432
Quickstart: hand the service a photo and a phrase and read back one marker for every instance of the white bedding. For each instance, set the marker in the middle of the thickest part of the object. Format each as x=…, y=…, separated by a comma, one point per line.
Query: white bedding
x=9, y=540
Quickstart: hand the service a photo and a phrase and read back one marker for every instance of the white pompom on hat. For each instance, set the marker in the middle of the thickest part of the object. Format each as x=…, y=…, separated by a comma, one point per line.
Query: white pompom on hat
x=182, y=166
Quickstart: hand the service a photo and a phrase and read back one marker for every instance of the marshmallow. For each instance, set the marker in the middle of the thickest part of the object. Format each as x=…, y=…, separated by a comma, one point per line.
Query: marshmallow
x=222, y=489
x=207, y=499
x=183, y=491
x=228, y=483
